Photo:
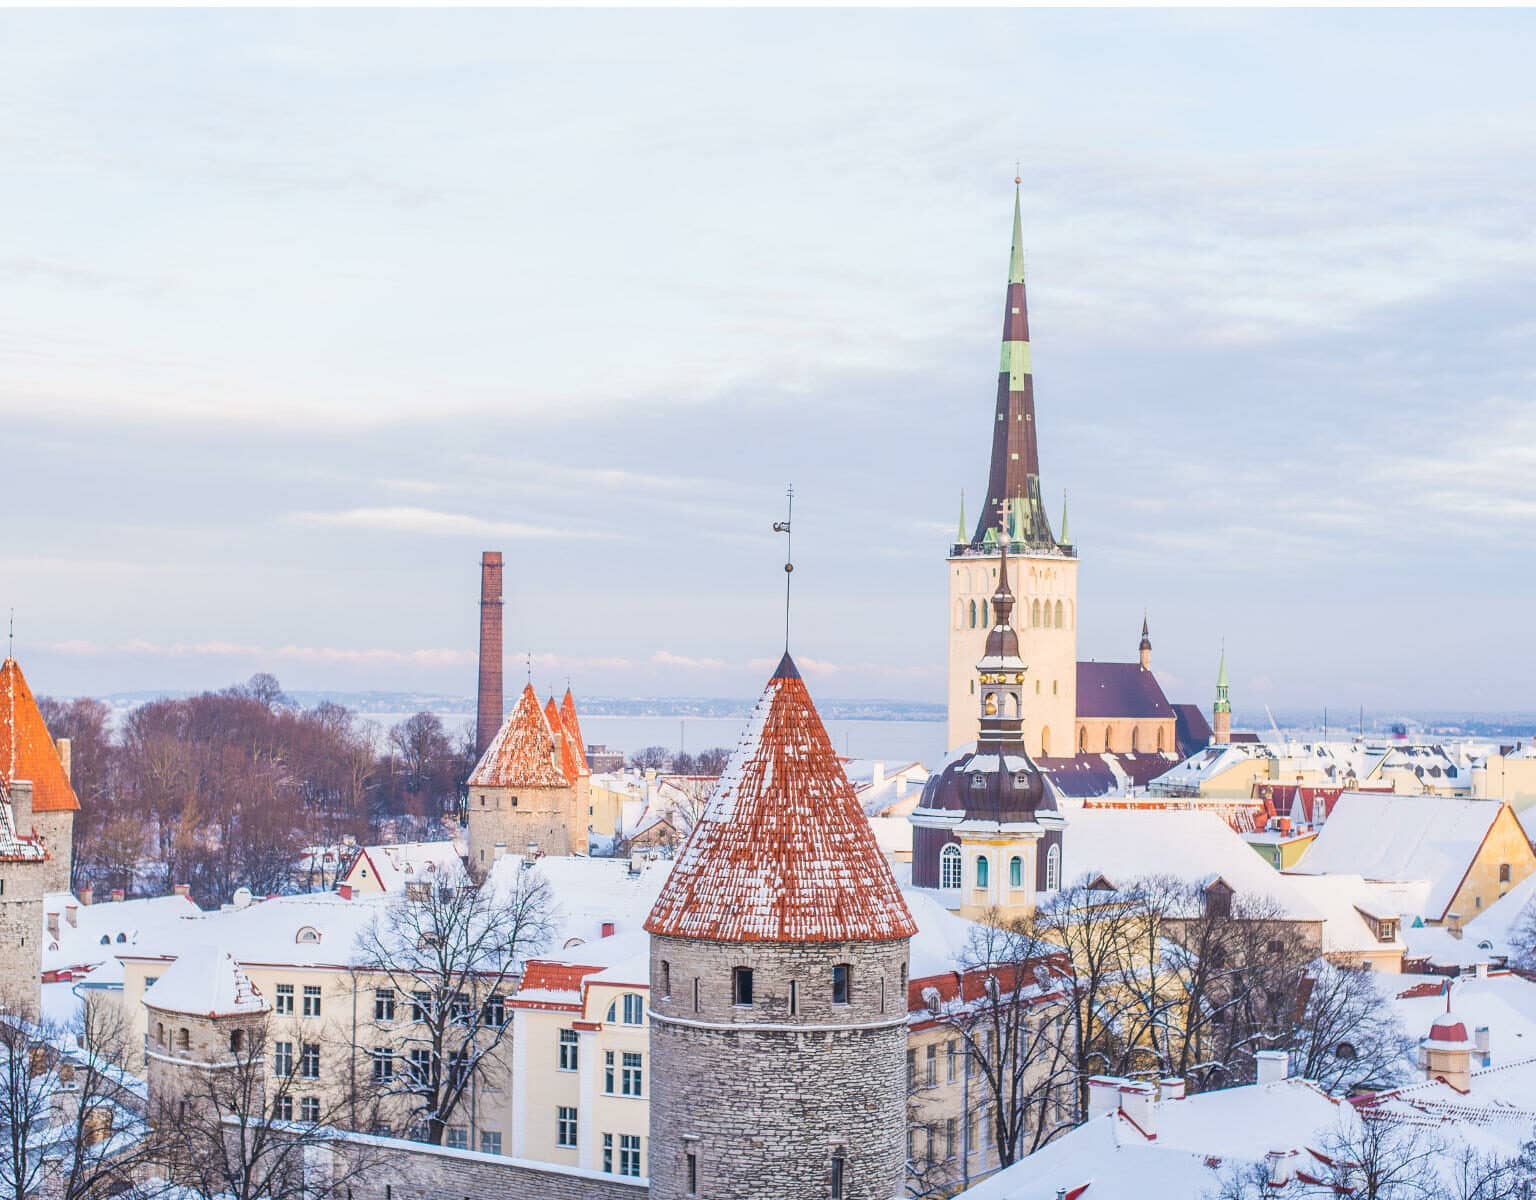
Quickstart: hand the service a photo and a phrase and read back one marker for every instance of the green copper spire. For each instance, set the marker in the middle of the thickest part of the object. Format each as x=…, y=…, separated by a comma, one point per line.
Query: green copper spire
x=1016, y=259
x=960, y=537
x=1066, y=532
x=1223, y=704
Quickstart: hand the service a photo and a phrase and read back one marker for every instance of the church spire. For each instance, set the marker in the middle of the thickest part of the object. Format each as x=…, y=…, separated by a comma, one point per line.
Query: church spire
x=1144, y=650
x=1013, y=484
x=1066, y=534
x=1221, y=710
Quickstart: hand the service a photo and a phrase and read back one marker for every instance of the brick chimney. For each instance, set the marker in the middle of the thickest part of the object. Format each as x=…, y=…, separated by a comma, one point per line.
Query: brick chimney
x=86, y=895
x=21, y=806
x=66, y=756
x=117, y=895
x=489, y=703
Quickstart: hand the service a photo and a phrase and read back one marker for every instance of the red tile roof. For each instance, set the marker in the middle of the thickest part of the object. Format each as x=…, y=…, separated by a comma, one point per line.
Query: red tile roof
x=572, y=729
x=782, y=853
x=1119, y=690
x=523, y=752
x=26, y=749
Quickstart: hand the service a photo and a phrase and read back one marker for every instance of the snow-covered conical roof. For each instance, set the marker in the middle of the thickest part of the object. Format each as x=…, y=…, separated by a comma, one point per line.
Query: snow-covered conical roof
x=205, y=981
x=782, y=852
x=524, y=752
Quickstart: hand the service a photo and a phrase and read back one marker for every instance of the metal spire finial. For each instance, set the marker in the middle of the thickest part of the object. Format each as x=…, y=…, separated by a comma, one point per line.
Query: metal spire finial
x=789, y=554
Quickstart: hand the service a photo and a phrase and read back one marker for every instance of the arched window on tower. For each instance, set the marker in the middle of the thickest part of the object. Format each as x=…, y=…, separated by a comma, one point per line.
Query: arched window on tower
x=1058, y=614
x=1015, y=872
x=1045, y=617
x=1109, y=732
x=973, y=614
x=1034, y=613
x=1082, y=740
x=1053, y=869
x=1162, y=739
x=949, y=866
x=1135, y=738
x=983, y=871
x=1045, y=741
x=986, y=622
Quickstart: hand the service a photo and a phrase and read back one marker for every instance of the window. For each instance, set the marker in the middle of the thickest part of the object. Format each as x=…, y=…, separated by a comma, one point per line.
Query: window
x=666, y=979
x=1046, y=621
x=383, y=1065
x=282, y=1059
x=911, y=1070
x=456, y=1138
x=421, y=1067
x=952, y=1061
x=949, y=866
x=459, y=1008
x=986, y=620
x=149, y=980
x=691, y=1171
x=160, y=1032
x=634, y=1009
x=1503, y=872
x=421, y=1005
x=490, y=1142
x=1053, y=869
x=283, y=1003
x=309, y=1109
x=794, y=998
x=931, y=1065
x=311, y=1001
x=1034, y=613
x=1059, y=615
x=1135, y=739
x=695, y=994
x=982, y=871
x=1016, y=872
x=842, y=984
x=383, y=1004
x=565, y=1126
x=839, y=1172
x=973, y=614
x=949, y=1139
x=1082, y=741
x=608, y=1153
x=741, y=987
x=629, y=1154
x=568, y=1050
x=633, y=1076
x=608, y=1059
x=236, y=1041
x=282, y=1108
x=495, y=1012
x=309, y=1060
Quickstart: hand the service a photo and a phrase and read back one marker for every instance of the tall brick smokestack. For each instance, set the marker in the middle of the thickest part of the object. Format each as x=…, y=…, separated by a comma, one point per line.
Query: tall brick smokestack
x=488, y=705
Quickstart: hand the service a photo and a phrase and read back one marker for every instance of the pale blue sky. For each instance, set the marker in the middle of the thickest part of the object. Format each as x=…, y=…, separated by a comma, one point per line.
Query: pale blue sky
x=300, y=311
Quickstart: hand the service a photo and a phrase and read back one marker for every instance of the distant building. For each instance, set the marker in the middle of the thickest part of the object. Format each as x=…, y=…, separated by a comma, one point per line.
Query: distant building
x=604, y=761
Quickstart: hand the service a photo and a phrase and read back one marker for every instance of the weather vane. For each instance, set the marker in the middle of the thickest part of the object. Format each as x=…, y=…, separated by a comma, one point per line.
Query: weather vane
x=789, y=555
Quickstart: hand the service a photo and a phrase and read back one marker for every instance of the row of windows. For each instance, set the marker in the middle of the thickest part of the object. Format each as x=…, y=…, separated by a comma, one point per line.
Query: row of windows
x=743, y=989
x=1041, y=616
x=309, y=1060
x=282, y=1003
x=950, y=870
x=1109, y=734
x=629, y=1153
x=416, y=1066
x=838, y=1176
x=931, y=1065
x=493, y=1012
x=309, y=1108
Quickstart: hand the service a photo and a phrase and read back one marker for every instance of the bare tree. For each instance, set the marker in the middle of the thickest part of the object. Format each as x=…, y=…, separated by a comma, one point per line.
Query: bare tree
x=1522, y=938
x=454, y=953
x=234, y=1132
x=1012, y=1016
x=71, y=1120
x=1346, y=1035
x=656, y=757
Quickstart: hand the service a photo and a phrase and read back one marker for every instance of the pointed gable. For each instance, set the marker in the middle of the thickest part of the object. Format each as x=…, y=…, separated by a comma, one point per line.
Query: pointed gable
x=523, y=752
x=565, y=753
x=572, y=729
x=782, y=852
x=26, y=749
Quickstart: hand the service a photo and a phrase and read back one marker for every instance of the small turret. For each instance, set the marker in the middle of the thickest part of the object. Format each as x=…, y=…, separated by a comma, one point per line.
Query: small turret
x=1221, y=710
x=1144, y=651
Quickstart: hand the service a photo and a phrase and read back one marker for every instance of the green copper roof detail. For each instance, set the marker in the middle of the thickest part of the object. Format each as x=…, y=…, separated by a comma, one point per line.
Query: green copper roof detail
x=1221, y=675
x=1066, y=533
x=1223, y=704
x=1016, y=259
x=990, y=537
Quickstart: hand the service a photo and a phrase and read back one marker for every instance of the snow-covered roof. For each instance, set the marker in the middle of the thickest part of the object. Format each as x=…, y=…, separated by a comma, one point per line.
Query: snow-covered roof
x=524, y=752
x=590, y=893
x=1386, y=836
x=100, y=931
x=1207, y=764
x=399, y=863
x=1502, y=1001
x=1194, y=846
x=1343, y=901
x=13, y=846
x=205, y=981
x=783, y=851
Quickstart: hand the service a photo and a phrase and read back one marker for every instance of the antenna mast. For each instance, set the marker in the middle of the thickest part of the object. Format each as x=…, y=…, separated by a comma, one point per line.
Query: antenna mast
x=789, y=554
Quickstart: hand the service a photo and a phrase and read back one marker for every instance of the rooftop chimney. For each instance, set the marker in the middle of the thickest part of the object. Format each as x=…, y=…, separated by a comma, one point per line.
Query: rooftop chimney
x=488, y=706
x=182, y=889
x=1172, y=1088
x=71, y=911
x=86, y=895
x=117, y=895
x=1274, y=1065
x=65, y=756
x=21, y=806
x=51, y=920
x=1103, y=1095
x=1138, y=1101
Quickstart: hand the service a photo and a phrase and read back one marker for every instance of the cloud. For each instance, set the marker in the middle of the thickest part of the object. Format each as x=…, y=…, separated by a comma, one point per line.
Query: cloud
x=290, y=653
x=408, y=519
x=665, y=658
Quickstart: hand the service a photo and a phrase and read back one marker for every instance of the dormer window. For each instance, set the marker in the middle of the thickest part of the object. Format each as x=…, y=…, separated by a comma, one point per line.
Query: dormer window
x=978, y=781
x=308, y=936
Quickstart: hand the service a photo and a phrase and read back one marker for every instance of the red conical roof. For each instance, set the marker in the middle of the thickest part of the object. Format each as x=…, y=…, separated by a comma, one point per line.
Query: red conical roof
x=573, y=731
x=523, y=752
x=783, y=852
x=26, y=749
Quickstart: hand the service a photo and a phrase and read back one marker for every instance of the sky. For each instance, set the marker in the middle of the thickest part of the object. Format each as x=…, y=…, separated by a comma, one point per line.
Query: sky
x=300, y=311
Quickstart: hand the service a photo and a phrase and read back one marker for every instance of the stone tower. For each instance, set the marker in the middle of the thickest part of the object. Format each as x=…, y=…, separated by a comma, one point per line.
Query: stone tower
x=28, y=751
x=1043, y=568
x=987, y=831
x=203, y=1016
x=519, y=795
x=1221, y=710
x=23, y=864
x=489, y=701
x=779, y=982
x=1144, y=650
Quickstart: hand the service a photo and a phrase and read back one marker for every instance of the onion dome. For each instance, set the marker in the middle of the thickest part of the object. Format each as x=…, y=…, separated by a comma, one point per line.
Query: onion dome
x=782, y=852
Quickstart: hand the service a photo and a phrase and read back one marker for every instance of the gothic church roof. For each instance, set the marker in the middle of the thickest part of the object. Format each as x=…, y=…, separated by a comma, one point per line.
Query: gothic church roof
x=782, y=852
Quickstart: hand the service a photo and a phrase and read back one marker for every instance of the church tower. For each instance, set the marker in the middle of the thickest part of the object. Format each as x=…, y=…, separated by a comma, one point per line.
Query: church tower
x=1144, y=651
x=1043, y=568
x=779, y=982
x=1221, y=711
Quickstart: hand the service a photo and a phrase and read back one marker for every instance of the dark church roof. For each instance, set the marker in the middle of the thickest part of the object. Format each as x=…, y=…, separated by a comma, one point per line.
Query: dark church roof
x=1120, y=690
x=1191, y=731
x=1085, y=776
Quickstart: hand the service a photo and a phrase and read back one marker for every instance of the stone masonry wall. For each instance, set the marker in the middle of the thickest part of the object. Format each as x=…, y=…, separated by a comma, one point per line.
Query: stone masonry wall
x=21, y=935
x=57, y=831
x=542, y=815
x=764, y=1097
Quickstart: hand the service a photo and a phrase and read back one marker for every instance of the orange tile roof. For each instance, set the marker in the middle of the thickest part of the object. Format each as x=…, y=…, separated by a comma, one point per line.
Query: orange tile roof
x=566, y=754
x=26, y=749
x=573, y=731
x=782, y=853
x=523, y=752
